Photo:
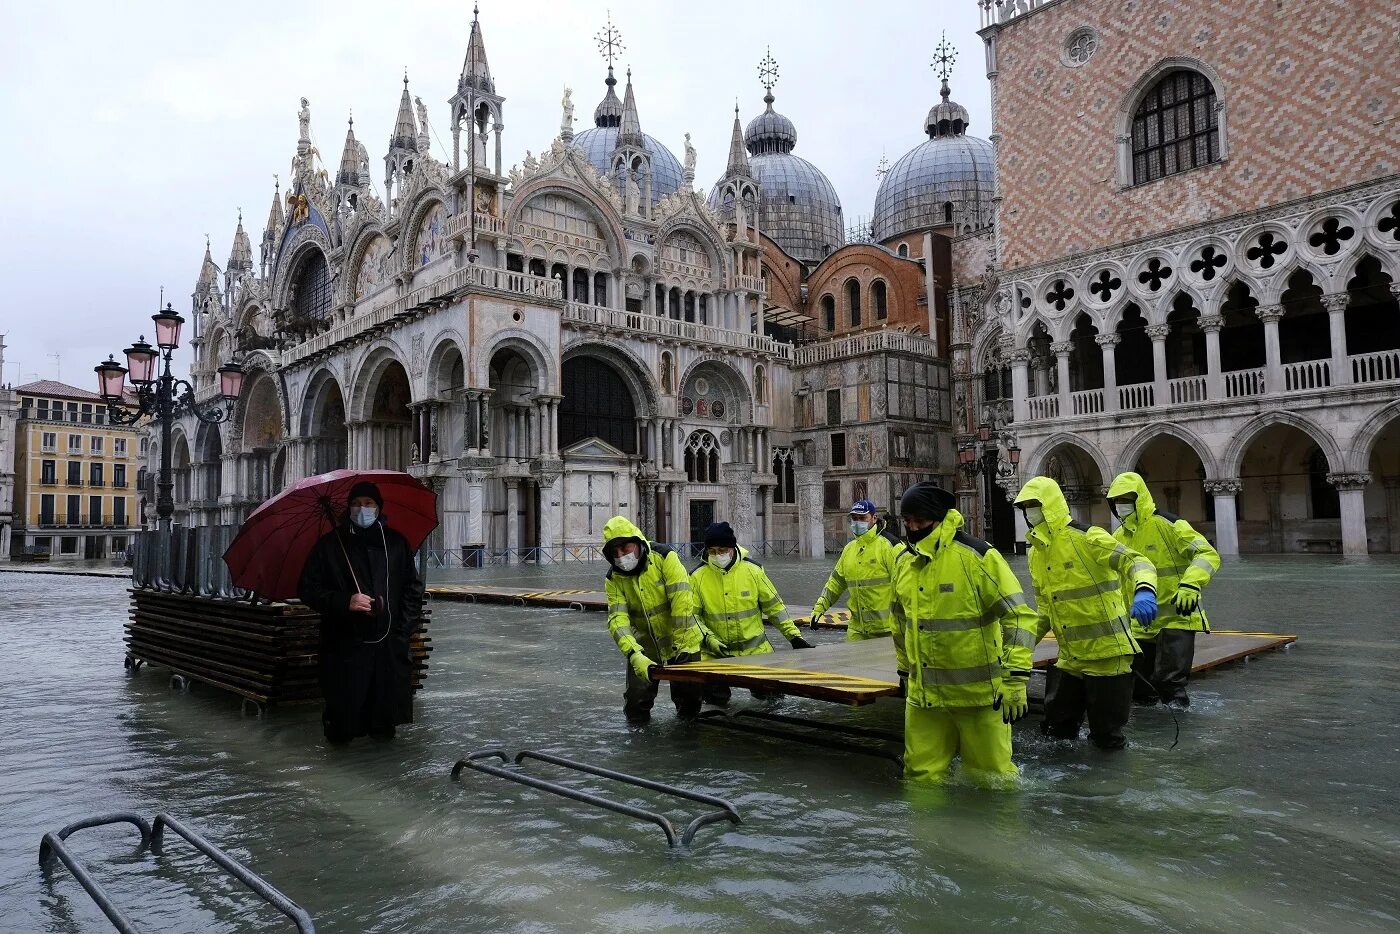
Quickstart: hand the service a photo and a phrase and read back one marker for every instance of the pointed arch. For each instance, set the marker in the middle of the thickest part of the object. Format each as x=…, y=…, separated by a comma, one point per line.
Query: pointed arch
x=1359, y=454
x=1233, y=458
x=1133, y=451
x=1043, y=450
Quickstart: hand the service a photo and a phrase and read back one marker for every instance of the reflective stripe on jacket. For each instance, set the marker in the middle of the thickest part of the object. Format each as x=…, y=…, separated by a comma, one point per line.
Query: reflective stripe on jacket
x=652, y=610
x=961, y=619
x=1180, y=553
x=866, y=569
x=1080, y=574
x=734, y=603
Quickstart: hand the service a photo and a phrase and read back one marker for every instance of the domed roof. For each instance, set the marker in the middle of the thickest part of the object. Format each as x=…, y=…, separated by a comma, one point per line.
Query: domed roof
x=598, y=142
x=799, y=210
x=950, y=168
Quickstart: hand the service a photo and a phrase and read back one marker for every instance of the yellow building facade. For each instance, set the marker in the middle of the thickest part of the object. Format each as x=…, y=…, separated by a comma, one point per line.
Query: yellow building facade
x=76, y=485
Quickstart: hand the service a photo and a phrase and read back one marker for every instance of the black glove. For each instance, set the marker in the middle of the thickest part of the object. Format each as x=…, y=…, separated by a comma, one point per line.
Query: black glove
x=800, y=643
x=903, y=684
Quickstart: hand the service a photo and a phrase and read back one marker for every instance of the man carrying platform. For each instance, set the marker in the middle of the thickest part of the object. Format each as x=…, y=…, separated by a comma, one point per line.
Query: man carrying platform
x=866, y=568
x=733, y=597
x=651, y=615
x=1079, y=573
x=963, y=638
x=1185, y=563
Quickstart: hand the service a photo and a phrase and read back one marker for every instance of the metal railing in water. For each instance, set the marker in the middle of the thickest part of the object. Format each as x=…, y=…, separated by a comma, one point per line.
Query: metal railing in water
x=185, y=560
x=54, y=845
x=726, y=812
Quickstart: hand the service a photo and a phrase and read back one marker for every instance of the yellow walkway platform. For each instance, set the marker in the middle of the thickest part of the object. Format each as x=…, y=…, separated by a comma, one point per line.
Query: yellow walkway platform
x=861, y=672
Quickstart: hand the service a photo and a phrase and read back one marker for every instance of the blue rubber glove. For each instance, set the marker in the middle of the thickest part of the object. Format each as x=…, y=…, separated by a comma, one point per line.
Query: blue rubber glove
x=1144, y=607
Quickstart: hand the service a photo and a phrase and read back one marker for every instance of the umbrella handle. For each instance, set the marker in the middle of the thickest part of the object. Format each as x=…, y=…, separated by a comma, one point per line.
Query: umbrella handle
x=340, y=541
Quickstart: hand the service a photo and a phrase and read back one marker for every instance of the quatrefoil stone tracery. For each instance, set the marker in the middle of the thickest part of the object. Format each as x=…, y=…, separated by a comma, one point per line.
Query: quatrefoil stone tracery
x=1209, y=263
x=1104, y=286
x=1060, y=294
x=1266, y=250
x=1156, y=275
x=1331, y=235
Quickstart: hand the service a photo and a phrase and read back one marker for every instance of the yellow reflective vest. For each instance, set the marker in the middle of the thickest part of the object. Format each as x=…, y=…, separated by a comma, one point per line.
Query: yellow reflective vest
x=651, y=610
x=1080, y=574
x=961, y=619
x=1180, y=553
x=866, y=569
x=734, y=603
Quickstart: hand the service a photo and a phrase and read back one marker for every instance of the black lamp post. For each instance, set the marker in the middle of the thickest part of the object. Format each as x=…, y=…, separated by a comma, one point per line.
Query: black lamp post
x=981, y=456
x=162, y=396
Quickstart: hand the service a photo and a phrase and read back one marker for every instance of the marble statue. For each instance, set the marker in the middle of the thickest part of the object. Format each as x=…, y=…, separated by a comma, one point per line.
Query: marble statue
x=304, y=119
x=568, y=104
x=689, y=157
x=634, y=195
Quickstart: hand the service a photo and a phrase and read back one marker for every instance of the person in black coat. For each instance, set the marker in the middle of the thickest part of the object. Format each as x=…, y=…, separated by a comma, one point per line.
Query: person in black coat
x=361, y=578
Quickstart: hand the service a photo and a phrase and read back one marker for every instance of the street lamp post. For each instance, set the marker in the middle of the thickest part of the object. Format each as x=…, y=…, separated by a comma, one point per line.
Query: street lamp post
x=162, y=397
x=981, y=456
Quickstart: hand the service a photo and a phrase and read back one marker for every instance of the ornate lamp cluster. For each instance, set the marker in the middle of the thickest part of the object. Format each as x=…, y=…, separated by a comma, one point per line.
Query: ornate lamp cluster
x=981, y=455
x=162, y=396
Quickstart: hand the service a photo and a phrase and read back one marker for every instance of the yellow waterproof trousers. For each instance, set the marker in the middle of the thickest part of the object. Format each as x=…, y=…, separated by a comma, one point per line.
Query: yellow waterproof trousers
x=934, y=736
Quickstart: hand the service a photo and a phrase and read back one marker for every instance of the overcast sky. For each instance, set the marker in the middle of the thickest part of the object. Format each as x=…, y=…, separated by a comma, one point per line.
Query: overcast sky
x=135, y=128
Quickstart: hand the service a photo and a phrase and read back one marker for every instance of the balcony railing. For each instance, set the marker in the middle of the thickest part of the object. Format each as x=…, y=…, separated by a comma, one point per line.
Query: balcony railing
x=1042, y=407
x=1136, y=396
x=96, y=483
x=1310, y=374
x=639, y=322
x=483, y=278
x=1379, y=367
x=856, y=344
x=1001, y=12
x=1240, y=384
x=1086, y=402
x=1186, y=390
x=750, y=283
x=48, y=481
x=486, y=225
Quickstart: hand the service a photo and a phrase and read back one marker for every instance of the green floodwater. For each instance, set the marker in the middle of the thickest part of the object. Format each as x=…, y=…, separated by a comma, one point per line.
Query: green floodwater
x=1277, y=812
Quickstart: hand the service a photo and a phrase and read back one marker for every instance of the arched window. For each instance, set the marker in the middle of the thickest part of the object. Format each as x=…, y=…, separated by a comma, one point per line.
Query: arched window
x=903, y=250
x=311, y=291
x=760, y=385
x=702, y=458
x=853, y=301
x=880, y=296
x=597, y=404
x=667, y=372
x=537, y=267
x=1175, y=127
x=947, y=212
x=785, y=490
x=828, y=313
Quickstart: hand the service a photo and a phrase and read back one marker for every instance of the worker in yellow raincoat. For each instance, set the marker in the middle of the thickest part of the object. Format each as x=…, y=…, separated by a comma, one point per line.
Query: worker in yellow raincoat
x=733, y=597
x=1078, y=572
x=651, y=615
x=1185, y=563
x=963, y=640
x=866, y=568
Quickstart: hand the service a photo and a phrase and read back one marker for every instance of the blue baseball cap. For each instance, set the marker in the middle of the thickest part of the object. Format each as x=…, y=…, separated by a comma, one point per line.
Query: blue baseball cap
x=864, y=505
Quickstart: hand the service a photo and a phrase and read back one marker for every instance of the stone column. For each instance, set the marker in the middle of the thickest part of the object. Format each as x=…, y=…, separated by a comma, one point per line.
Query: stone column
x=551, y=516
x=1158, y=333
x=1351, y=490
x=512, y=521
x=475, y=530
x=739, y=478
x=1040, y=370
x=646, y=509
x=1337, y=329
x=1062, y=350
x=1273, y=367
x=679, y=529
x=1020, y=389
x=765, y=529
x=811, y=534
x=1106, y=344
x=1215, y=380
x=1392, y=513
x=1227, y=535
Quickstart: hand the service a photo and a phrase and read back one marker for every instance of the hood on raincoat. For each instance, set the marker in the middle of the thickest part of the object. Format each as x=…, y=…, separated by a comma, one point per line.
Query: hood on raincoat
x=1130, y=482
x=1051, y=498
x=619, y=530
x=941, y=535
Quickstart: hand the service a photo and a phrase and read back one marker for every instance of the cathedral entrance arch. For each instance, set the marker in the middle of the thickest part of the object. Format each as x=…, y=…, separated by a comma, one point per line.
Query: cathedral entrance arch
x=1079, y=474
x=324, y=425
x=388, y=425
x=261, y=427
x=597, y=403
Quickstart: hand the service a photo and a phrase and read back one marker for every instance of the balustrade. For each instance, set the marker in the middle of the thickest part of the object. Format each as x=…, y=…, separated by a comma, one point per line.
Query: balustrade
x=1044, y=407
x=856, y=344
x=1186, y=390
x=1086, y=402
x=1310, y=374
x=1378, y=367
x=643, y=323
x=1242, y=383
x=1135, y=396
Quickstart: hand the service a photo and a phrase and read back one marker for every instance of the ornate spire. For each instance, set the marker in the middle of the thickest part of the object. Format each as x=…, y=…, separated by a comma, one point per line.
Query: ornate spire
x=631, y=122
x=475, y=71
x=208, y=273
x=274, y=213
x=350, y=158
x=405, y=135
x=609, y=109
x=946, y=118
x=738, y=156
x=770, y=131
x=240, y=258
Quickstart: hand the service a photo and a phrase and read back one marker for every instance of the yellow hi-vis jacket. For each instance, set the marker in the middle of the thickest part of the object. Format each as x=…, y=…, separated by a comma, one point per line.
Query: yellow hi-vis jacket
x=961, y=619
x=1080, y=574
x=734, y=603
x=866, y=568
x=651, y=610
x=1180, y=553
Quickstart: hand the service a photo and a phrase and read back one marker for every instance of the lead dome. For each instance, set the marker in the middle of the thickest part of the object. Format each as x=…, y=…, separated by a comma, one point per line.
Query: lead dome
x=598, y=142
x=947, y=179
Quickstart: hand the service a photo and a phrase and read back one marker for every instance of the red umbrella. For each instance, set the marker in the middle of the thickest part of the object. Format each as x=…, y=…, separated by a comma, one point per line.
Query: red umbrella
x=271, y=548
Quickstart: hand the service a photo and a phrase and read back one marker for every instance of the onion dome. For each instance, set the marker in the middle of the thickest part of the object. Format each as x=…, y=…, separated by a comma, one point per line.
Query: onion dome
x=948, y=179
x=799, y=209
x=598, y=142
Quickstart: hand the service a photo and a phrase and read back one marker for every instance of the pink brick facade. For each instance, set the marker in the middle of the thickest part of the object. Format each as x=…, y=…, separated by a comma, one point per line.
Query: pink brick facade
x=1311, y=103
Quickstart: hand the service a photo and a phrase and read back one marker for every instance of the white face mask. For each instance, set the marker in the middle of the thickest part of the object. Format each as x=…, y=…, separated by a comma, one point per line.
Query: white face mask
x=364, y=516
x=627, y=562
x=722, y=561
x=1124, y=510
x=1035, y=515
x=859, y=528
